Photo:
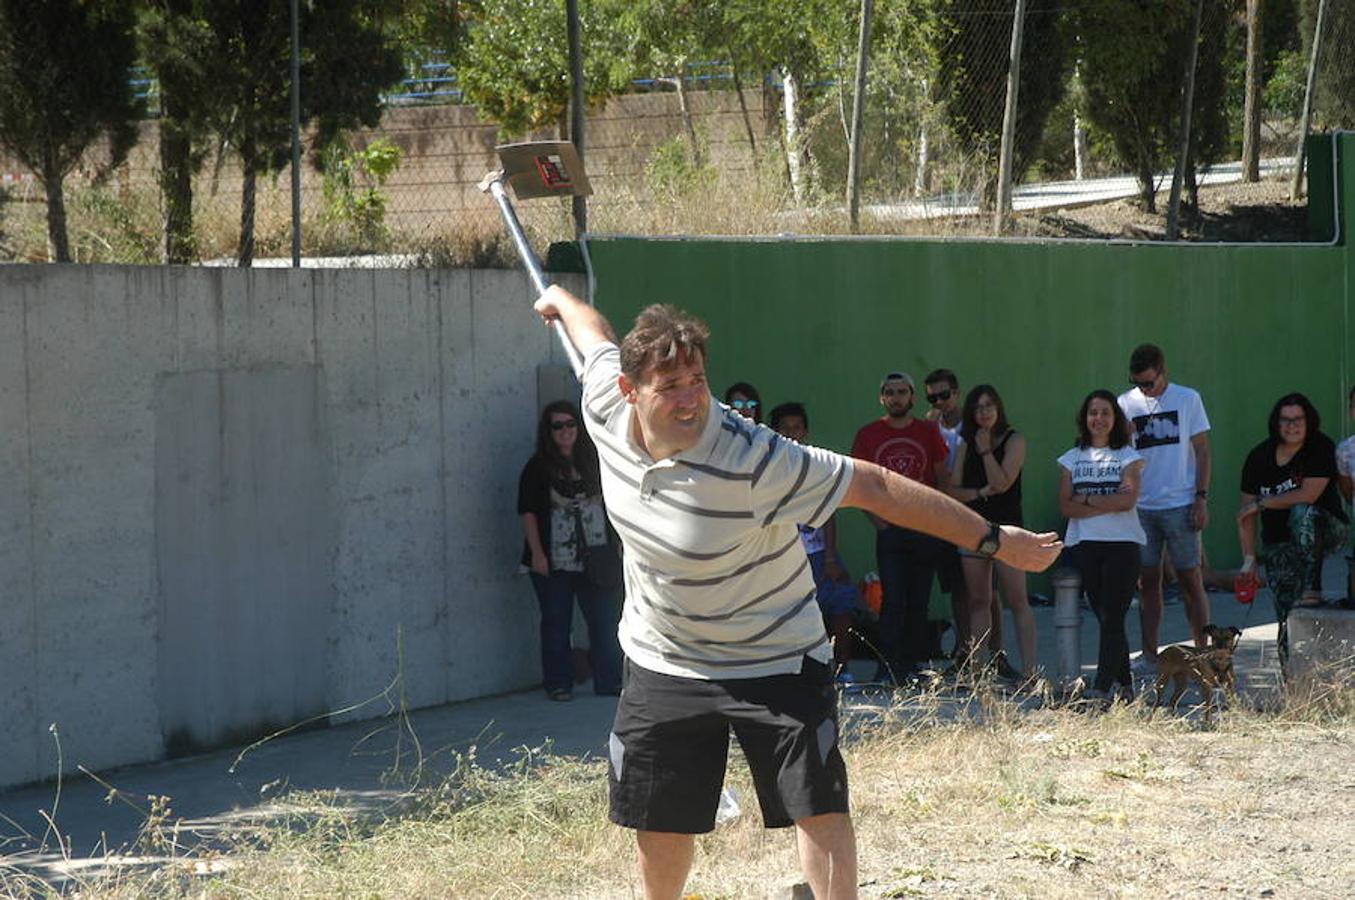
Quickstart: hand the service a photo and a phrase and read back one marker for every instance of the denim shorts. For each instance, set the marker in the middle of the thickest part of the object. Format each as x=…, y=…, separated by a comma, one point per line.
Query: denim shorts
x=1170, y=527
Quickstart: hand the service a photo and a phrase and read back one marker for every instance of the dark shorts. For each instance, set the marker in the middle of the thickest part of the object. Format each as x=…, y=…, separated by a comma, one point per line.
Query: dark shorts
x=670, y=740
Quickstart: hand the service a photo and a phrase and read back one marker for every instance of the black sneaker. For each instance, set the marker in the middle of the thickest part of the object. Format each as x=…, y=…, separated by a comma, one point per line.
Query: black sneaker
x=1005, y=670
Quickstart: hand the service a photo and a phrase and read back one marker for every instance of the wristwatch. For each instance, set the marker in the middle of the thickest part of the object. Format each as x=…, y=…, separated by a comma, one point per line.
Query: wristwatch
x=988, y=546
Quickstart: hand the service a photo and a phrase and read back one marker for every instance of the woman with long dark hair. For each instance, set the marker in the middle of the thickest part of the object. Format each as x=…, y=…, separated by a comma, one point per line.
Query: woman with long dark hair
x=987, y=469
x=1098, y=489
x=569, y=551
x=1289, y=484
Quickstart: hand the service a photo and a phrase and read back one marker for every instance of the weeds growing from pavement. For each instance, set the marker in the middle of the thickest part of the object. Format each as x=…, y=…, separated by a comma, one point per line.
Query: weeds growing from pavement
x=972, y=795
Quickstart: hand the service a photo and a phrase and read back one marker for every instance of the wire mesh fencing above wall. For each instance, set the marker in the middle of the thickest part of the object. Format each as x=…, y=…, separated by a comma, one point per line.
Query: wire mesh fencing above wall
x=1096, y=137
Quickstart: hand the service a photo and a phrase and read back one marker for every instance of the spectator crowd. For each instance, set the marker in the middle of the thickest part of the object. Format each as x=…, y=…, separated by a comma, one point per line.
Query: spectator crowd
x=1135, y=489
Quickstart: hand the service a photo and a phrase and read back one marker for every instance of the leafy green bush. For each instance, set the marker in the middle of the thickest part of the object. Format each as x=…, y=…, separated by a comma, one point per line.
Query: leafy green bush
x=354, y=217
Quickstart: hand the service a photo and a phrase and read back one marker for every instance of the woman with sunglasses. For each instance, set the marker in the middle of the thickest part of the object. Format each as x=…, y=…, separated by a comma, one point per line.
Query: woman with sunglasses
x=987, y=478
x=743, y=398
x=1289, y=484
x=1098, y=489
x=570, y=552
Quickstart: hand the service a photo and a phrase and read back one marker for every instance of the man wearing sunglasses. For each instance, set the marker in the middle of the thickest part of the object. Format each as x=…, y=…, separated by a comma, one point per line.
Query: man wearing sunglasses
x=942, y=389
x=1171, y=431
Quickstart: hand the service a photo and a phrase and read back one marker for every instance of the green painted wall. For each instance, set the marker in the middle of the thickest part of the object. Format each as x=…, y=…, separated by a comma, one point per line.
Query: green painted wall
x=821, y=320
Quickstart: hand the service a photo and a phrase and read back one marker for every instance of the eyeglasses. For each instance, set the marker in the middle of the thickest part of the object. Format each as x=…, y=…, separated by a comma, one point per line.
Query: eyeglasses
x=1293, y=420
x=744, y=404
x=562, y=424
x=939, y=397
x=985, y=407
x=1143, y=385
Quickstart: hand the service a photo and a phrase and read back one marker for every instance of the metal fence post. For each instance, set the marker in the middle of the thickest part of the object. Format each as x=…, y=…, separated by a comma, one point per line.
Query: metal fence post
x=1068, y=624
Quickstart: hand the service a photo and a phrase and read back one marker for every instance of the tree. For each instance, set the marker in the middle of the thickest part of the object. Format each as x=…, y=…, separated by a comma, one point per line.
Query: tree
x=173, y=43
x=238, y=85
x=1334, y=100
x=1222, y=38
x=1133, y=73
x=972, y=80
x=64, y=67
x=667, y=35
x=513, y=62
x=790, y=38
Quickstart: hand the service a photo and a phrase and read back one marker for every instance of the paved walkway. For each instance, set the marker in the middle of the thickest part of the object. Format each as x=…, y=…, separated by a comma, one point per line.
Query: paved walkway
x=215, y=791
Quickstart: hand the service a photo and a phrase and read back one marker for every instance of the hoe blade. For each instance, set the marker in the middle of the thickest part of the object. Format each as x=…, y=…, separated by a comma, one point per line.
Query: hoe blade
x=543, y=169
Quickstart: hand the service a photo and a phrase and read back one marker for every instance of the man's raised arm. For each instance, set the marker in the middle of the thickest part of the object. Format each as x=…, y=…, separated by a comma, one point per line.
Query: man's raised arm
x=585, y=326
x=910, y=504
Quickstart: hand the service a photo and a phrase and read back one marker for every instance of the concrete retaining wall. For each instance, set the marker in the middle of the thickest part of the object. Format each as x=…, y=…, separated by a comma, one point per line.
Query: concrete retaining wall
x=224, y=492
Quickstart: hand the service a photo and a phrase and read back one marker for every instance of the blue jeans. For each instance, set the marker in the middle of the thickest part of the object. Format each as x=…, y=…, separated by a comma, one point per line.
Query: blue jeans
x=555, y=594
x=907, y=561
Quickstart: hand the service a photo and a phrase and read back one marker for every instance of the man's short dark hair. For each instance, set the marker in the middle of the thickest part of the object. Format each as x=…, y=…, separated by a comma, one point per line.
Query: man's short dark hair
x=936, y=376
x=785, y=410
x=1145, y=357
x=662, y=336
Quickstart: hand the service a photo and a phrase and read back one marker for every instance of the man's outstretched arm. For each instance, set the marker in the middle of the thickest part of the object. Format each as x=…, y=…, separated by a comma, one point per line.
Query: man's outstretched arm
x=585, y=326
x=910, y=504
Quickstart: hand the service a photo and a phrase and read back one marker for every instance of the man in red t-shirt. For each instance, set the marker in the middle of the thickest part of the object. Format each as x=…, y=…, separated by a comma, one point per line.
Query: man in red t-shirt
x=906, y=559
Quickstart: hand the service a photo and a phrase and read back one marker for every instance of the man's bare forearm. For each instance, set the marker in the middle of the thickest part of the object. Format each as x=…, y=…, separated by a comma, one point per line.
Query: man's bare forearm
x=909, y=504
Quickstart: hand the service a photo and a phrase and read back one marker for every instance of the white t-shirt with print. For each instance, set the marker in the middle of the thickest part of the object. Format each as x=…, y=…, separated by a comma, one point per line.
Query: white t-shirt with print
x=1163, y=428
x=1099, y=470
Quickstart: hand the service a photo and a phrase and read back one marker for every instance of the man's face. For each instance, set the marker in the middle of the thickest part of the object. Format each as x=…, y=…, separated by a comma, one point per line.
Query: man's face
x=1151, y=381
x=671, y=404
x=944, y=398
x=897, y=399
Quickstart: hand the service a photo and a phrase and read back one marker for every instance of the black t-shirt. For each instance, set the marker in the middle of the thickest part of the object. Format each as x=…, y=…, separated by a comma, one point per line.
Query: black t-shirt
x=1003, y=508
x=1262, y=477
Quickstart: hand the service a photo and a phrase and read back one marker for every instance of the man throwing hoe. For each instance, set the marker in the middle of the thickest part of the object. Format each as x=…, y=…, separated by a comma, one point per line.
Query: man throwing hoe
x=720, y=628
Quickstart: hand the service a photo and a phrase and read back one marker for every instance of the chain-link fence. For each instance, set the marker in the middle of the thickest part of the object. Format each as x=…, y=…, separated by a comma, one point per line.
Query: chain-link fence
x=1095, y=134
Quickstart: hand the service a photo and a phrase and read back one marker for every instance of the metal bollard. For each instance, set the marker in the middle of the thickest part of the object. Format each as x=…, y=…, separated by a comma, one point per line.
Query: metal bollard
x=1068, y=624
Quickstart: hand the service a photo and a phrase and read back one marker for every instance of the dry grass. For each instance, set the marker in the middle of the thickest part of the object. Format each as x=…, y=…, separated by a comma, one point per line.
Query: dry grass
x=998, y=802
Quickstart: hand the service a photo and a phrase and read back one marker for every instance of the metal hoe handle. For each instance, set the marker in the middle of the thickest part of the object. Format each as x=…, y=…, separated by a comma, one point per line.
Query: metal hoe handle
x=534, y=269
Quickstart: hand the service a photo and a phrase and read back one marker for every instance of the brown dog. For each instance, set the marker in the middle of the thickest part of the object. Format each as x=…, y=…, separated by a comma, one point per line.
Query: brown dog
x=1210, y=667
x=1224, y=638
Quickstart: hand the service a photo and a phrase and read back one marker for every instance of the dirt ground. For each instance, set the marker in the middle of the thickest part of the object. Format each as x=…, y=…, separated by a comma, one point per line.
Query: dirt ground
x=1240, y=213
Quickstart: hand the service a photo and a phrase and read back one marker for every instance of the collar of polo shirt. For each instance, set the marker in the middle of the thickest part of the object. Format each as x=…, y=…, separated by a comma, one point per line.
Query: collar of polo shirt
x=698, y=452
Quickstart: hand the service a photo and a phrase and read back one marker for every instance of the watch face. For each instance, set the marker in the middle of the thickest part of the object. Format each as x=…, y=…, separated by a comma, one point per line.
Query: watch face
x=988, y=546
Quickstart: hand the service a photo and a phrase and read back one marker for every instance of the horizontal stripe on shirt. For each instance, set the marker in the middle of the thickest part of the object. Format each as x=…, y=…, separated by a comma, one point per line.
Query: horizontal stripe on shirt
x=713, y=556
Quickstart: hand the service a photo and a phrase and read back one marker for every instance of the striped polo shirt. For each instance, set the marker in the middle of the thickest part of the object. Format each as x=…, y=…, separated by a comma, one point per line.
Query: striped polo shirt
x=717, y=583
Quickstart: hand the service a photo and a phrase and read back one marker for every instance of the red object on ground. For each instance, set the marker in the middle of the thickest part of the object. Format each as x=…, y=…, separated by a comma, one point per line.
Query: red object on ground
x=872, y=592
x=1244, y=587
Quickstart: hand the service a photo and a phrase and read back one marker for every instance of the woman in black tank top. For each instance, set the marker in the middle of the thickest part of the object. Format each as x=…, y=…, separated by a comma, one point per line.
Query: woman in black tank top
x=988, y=462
